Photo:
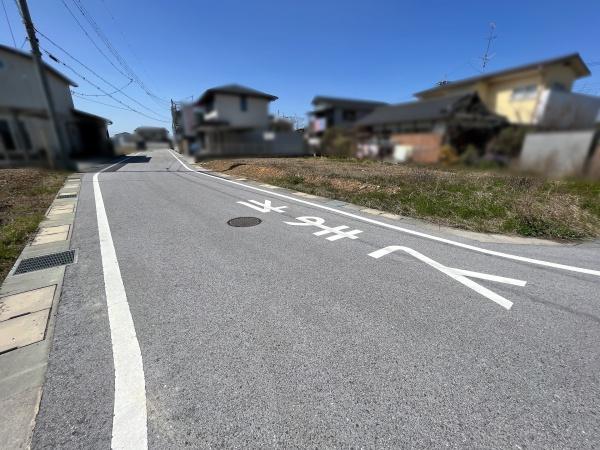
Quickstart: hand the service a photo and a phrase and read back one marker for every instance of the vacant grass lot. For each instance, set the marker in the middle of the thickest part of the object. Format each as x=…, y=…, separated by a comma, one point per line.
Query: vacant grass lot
x=484, y=201
x=25, y=194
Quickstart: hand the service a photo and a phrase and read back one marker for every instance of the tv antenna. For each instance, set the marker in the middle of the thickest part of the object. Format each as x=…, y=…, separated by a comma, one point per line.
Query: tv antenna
x=485, y=59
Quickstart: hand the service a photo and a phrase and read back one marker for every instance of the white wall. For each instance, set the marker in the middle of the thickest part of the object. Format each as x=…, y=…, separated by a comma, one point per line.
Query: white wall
x=40, y=136
x=567, y=110
x=20, y=86
x=556, y=154
x=228, y=108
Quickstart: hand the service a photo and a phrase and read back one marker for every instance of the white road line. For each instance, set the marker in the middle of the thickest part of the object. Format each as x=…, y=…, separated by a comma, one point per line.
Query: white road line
x=129, y=429
x=538, y=262
x=458, y=274
x=264, y=207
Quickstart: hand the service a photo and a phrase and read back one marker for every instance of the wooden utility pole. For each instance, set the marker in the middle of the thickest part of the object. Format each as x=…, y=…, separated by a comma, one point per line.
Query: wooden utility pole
x=39, y=66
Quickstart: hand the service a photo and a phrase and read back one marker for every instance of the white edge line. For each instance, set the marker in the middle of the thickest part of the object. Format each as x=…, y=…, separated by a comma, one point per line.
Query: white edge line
x=129, y=427
x=404, y=230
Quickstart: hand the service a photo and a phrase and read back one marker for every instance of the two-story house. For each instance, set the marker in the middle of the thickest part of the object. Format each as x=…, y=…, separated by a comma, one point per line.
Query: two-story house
x=336, y=112
x=235, y=120
x=25, y=133
x=538, y=93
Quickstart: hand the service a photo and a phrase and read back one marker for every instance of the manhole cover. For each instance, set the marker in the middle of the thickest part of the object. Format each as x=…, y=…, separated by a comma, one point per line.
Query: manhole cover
x=244, y=221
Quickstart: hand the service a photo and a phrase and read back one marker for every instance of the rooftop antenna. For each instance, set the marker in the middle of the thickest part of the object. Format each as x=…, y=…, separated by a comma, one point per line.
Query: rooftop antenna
x=485, y=59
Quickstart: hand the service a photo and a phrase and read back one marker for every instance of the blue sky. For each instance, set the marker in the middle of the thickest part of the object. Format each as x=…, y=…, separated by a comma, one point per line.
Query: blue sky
x=384, y=50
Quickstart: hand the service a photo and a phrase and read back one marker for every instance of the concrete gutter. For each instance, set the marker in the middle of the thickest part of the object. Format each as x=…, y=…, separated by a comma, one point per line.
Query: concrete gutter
x=28, y=304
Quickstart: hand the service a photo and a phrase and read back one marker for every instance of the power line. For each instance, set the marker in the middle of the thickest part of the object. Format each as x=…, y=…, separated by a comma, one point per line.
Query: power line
x=54, y=58
x=78, y=95
x=111, y=48
x=127, y=42
x=92, y=71
x=92, y=40
x=9, y=27
x=103, y=95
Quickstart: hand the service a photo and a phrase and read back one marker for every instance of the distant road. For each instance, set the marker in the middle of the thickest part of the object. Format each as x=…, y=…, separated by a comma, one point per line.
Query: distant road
x=319, y=327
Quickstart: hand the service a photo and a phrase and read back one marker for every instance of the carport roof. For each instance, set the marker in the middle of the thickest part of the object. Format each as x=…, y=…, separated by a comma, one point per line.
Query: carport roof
x=87, y=115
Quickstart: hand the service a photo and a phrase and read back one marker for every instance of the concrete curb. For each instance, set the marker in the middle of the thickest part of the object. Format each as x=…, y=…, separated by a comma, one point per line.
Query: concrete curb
x=28, y=304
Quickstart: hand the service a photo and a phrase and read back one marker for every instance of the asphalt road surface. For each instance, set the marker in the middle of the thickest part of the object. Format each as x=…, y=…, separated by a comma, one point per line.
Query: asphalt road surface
x=299, y=332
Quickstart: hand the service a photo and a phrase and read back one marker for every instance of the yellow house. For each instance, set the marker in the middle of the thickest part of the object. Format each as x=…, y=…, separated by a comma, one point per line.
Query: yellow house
x=517, y=93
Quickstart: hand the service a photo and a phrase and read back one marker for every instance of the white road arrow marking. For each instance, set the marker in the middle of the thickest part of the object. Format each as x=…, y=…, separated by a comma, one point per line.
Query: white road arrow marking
x=319, y=221
x=263, y=207
x=459, y=275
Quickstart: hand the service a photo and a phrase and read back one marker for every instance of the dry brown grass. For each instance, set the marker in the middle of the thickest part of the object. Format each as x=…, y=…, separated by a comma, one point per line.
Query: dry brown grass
x=485, y=201
x=25, y=194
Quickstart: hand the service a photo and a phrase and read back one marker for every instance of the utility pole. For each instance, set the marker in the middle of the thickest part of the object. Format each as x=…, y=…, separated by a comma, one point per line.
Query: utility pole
x=174, y=124
x=39, y=66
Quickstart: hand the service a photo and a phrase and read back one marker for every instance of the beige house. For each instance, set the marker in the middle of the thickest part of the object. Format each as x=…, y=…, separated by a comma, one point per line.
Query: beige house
x=527, y=94
x=25, y=132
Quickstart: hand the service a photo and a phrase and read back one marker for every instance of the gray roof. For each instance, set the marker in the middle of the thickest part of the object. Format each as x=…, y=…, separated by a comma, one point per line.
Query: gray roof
x=573, y=59
x=49, y=68
x=91, y=116
x=346, y=102
x=433, y=109
x=235, y=89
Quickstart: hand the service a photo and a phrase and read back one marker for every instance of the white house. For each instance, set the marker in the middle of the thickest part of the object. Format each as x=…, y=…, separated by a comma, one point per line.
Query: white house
x=235, y=120
x=25, y=132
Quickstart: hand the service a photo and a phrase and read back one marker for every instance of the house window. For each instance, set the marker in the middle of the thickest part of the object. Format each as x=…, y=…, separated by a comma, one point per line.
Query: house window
x=244, y=103
x=6, y=136
x=524, y=92
x=349, y=115
x=24, y=134
x=556, y=86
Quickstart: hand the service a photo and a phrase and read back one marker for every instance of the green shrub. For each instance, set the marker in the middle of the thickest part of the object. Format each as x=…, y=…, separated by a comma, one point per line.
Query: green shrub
x=508, y=142
x=338, y=143
x=448, y=155
x=470, y=156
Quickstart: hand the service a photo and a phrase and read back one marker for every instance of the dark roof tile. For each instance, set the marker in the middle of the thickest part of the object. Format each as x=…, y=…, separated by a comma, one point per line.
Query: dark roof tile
x=234, y=89
x=573, y=58
x=346, y=102
x=419, y=110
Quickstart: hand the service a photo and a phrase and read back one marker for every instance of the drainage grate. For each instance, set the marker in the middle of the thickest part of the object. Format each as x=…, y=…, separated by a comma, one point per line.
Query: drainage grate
x=45, y=261
x=67, y=195
x=244, y=221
